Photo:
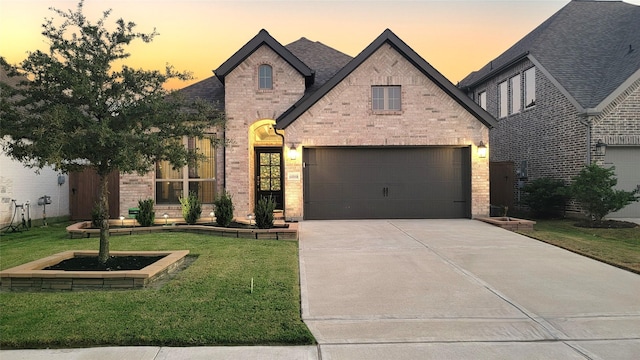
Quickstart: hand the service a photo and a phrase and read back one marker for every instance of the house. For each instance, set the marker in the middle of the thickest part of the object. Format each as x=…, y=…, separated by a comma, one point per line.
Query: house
x=565, y=95
x=22, y=186
x=381, y=135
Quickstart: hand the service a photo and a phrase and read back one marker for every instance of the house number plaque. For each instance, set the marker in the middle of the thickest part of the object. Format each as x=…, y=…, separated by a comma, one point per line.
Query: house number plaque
x=293, y=176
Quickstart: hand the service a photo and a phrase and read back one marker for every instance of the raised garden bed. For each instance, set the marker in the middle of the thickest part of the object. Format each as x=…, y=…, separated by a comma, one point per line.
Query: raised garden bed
x=509, y=223
x=288, y=231
x=32, y=276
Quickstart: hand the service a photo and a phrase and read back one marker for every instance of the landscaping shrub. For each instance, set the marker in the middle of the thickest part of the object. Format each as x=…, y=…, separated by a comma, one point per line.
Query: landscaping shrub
x=264, y=212
x=593, y=189
x=191, y=208
x=546, y=197
x=223, y=209
x=146, y=216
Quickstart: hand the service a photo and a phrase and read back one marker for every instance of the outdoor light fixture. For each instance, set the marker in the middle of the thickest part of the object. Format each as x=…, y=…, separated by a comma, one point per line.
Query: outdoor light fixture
x=482, y=150
x=211, y=214
x=122, y=220
x=165, y=216
x=250, y=217
x=601, y=148
x=293, y=152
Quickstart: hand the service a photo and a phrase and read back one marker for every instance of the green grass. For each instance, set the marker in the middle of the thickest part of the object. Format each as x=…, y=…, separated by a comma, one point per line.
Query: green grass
x=618, y=247
x=209, y=303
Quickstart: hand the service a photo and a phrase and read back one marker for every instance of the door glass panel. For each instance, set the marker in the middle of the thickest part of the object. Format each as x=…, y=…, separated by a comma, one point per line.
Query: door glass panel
x=270, y=172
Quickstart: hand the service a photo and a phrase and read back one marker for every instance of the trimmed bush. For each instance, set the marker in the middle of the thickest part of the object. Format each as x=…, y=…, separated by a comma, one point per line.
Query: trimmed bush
x=593, y=189
x=223, y=209
x=146, y=216
x=264, y=212
x=191, y=208
x=546, y=197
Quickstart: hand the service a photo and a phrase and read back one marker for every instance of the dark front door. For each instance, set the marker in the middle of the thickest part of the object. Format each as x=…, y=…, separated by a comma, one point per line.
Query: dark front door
x=269, y=180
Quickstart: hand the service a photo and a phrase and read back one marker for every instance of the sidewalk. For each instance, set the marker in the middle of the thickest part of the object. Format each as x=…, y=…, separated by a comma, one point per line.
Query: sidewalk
x=167, y=353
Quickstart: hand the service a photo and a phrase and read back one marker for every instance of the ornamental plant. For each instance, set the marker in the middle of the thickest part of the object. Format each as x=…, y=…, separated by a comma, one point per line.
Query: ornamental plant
x=264, y=212
x=594, y=189
x=191, y=208
x=223, y=209
x=545, y=197
x=146, y=216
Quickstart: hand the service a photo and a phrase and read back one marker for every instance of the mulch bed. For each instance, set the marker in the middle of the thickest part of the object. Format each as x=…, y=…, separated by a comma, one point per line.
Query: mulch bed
x=606, y=224
x=114, y=263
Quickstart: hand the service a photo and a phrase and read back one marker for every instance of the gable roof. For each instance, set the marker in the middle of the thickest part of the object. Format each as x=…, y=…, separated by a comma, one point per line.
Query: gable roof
x=323, y=60
x=263, y=38
x=589, y=48
x=387, y=37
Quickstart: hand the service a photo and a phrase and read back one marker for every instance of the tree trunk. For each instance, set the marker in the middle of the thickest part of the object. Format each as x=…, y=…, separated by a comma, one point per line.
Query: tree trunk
x=103, y=254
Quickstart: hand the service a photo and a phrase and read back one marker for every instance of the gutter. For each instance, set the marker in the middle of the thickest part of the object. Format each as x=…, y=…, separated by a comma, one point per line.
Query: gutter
x=496, y=70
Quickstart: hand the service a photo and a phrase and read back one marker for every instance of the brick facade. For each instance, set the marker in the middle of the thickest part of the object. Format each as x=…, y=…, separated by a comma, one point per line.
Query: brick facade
x=245, y=104
x=343, y=117
x=619, y=123
x=429, y=116
x=553, y=137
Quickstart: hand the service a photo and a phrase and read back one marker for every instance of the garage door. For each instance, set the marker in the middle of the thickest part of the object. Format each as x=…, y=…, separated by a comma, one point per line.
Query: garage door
x=627, y=162
x=391, y=183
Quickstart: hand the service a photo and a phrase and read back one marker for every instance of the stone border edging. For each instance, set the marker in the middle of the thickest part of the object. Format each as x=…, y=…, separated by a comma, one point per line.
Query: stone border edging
x=82, y=230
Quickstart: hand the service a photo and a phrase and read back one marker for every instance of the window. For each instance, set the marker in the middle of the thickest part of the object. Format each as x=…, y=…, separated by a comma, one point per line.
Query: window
x=385, y=98
x=265, y=75
x=530, y=88
x=482, y=100
x=503, y=96
x=516, y=95
x=172, y=184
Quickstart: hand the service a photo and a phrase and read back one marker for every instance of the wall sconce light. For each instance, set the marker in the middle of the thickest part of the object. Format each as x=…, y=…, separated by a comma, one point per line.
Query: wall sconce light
x=293, y=152
x=601, y=148
x=482, y=150
x=165, y=216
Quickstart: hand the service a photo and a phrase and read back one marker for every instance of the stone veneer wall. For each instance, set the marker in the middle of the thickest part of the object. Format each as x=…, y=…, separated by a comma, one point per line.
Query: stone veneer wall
x=429, y=116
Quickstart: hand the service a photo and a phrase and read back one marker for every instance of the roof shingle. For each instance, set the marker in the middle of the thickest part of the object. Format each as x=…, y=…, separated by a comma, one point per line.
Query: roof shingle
x=589, y=47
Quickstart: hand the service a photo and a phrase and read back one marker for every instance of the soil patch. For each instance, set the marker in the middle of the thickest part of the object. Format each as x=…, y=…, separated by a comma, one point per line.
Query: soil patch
x=114, y=263
x=607, y=224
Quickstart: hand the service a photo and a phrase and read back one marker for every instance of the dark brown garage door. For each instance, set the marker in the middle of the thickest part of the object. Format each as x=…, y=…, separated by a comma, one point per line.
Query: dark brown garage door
x=387, y=183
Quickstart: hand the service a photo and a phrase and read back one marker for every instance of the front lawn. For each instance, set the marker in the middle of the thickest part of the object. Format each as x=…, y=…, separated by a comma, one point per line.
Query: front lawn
x=618, y=247
x=209, y=303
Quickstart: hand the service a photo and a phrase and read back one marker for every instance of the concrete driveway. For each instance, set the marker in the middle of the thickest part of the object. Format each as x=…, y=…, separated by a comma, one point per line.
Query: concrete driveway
x=457, y=289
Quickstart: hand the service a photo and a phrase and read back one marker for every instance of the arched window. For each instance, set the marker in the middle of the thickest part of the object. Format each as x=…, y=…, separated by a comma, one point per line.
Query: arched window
x=265, y=77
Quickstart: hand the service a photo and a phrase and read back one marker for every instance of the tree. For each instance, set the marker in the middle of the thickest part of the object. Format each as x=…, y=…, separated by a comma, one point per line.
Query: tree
x=78, y=111
x=593, y=189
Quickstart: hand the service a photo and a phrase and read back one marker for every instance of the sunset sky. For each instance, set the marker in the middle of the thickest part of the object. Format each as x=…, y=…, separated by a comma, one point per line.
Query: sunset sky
x=456, y=37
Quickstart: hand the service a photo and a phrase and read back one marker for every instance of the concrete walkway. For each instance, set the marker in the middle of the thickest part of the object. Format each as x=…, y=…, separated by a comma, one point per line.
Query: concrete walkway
x=458, y=289
x=436, y=289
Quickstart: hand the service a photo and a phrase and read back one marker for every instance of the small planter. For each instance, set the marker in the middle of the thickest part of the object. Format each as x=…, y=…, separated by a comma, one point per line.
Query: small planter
x=509, y=223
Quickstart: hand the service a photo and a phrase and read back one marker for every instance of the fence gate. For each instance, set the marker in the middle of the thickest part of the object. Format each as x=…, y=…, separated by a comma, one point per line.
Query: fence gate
x=84, y=190
x=502, y=180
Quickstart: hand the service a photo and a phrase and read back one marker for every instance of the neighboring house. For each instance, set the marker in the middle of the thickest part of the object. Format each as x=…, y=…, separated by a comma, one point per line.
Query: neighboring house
x=381, y=135
x=24, y=185
x=566, y=95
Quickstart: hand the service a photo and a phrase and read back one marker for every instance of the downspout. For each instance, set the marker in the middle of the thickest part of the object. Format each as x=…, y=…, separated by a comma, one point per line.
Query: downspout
x=587, y=122
x=284, y=188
